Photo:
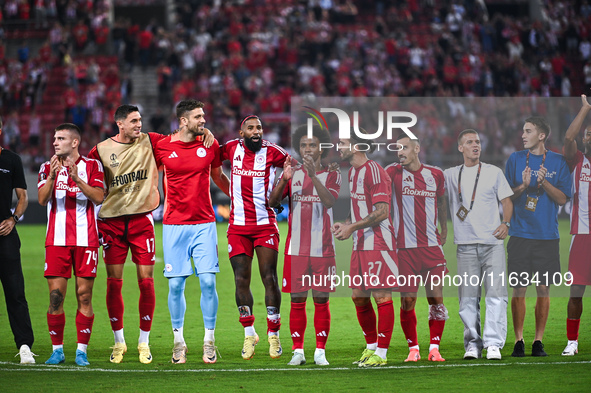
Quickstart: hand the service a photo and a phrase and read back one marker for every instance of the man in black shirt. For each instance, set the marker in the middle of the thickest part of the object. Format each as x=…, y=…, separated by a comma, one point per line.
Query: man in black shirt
x=11, y=274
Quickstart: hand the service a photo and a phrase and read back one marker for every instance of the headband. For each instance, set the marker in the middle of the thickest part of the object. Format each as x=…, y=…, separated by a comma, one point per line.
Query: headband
x=248, y=118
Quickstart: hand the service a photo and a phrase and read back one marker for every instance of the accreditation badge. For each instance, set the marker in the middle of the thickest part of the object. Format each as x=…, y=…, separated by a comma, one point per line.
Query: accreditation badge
x=462, y=213
x=531, y=203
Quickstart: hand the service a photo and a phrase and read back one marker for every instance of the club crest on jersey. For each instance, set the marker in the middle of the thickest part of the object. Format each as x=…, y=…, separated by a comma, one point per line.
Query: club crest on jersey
x=168, y=267
x=114, y=163
x=201, y=152
x=430, y=181
x=260, y=159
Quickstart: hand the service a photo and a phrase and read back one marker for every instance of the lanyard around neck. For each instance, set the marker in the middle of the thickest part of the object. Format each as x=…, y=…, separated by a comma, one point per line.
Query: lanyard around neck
x=475, y=185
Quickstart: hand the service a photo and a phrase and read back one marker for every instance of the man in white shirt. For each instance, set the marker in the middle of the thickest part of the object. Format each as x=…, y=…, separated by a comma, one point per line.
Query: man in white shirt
x=474, y=190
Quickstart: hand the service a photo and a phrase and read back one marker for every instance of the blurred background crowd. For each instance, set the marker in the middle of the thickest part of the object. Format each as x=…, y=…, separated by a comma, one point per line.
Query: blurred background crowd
x=454, y=62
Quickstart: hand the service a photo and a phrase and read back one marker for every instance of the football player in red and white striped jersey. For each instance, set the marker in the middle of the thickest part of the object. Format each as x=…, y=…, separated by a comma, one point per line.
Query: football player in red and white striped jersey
x=309, y=248
x=374, y=264
x=579, y=262
x=253, y=227
x=418, y=200
x=71, y=186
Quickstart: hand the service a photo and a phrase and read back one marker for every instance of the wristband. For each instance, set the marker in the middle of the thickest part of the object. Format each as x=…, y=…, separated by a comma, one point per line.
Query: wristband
x=15, y=218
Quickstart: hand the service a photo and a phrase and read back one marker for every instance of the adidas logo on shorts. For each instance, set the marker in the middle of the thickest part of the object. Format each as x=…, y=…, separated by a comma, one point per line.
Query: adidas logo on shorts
x=271, y=242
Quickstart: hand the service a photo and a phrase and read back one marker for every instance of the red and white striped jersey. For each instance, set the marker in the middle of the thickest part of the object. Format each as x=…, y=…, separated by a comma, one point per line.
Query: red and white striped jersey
x=414, y=204
x=251, y=181
x=369, y=184
x=309, y=220
x=71, y=217
x=580, y=167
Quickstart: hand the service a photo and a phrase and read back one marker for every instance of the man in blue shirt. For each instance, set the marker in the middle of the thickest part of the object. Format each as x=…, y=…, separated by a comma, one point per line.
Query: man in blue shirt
x=541, y=182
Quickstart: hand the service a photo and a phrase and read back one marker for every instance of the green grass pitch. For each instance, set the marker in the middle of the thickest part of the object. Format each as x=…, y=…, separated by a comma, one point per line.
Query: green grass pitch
x=345, y=344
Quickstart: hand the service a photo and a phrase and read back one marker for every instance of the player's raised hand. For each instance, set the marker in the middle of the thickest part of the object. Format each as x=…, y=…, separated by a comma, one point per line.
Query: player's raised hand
x=526, y=175
x=585, y=102
x=72, y=170
x=542, y=175
x=309, y=166
x=287, y=169
x=54, y=166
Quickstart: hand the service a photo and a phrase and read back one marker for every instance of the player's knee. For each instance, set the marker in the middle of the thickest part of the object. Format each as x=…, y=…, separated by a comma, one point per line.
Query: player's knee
x=56, y=299
x=84, y=299
x=242, y=282
x=360, y=301
x=408, y=303
x=176, y=285
x=207, y=282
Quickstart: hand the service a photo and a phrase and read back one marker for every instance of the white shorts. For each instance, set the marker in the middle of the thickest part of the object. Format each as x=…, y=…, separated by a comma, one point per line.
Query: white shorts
x=183, y=242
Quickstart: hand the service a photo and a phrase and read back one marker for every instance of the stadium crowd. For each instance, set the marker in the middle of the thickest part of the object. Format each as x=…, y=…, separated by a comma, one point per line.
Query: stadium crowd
x=253, y=56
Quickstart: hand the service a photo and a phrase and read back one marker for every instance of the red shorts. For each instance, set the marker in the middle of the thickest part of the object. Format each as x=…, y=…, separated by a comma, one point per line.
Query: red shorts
x=120, y=234
x=303, y=273
x=59, y=261
x=374, y=270
x=579, y=259
x=422, y=261
x=244, y=242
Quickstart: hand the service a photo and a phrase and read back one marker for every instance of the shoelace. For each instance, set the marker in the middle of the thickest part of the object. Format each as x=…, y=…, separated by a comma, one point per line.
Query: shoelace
x=210, y=350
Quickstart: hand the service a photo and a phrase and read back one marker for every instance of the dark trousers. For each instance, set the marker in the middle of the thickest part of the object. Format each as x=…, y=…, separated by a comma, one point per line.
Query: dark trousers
x=11, y=275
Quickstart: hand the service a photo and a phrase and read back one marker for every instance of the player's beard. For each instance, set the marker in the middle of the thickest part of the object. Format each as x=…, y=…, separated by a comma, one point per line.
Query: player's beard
x=253, y=146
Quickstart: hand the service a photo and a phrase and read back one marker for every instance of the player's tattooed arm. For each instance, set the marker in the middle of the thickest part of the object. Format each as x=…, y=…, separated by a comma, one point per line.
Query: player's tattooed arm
x=442, y=216
x=343, y=231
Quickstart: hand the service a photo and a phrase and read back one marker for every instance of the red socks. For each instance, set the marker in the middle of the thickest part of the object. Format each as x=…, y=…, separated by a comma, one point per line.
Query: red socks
x=436, y=330
x=147, y=303
x=273, y=325
x=56, y=324
x=408, y=321
x=247, y=321
x=385, y=323
x=297, y=324
x=115, y=302
x=367, y=320
x=83, y=327
x=572, y=329
x=321, y=323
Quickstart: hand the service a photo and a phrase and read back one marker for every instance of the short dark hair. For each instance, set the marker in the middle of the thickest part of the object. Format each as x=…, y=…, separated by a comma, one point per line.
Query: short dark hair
x=248, y=118
x=403, y=135
x=73, y=128
x=302, y=132
x=123, y=111
x=356, y=138
x=466, y=131
x=541, y=124
x=187, y=106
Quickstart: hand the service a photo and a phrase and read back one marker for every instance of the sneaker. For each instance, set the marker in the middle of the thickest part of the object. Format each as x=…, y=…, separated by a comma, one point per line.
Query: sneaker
x=413, y=355
x=81, y=358
x=119, y=350
x=364, y=356
x=435, y=356
x=537, y=349
x=374, y=361
x=57, y=357
x=145, y=355
x=209, y=352
x=275, y=349
x=249, y=343
x=472, y=353
x=320, y=357
x=571, y=348
x=493, y=353
x=519, y=349
x=179, y=353
x=26, y=355
x=297, y=359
